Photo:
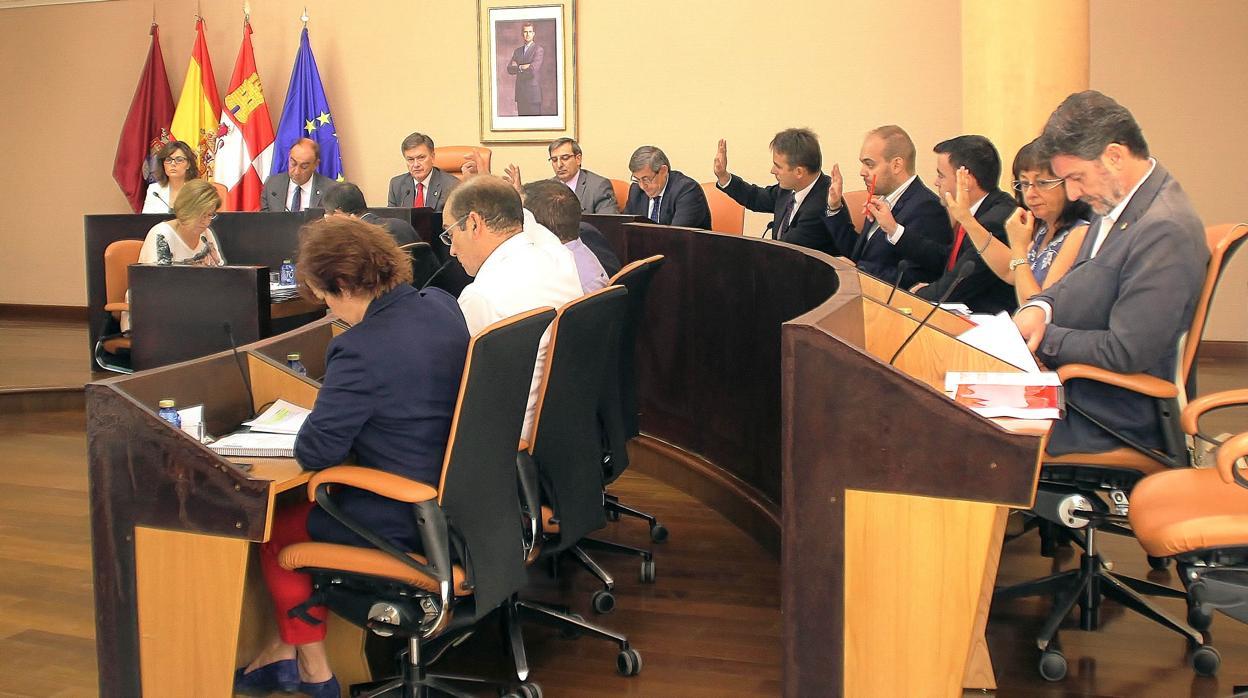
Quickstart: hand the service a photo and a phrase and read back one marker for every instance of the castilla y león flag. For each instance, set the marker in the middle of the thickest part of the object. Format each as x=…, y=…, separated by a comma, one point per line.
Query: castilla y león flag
x=199, y=107
x=245, y=137
x=146, y=127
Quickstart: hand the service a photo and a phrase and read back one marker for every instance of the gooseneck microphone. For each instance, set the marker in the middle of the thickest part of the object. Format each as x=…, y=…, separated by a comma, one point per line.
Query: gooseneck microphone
x=434, y=275
x=902, y=267
x=161, y=199
x=238, y=359
x=964, y=270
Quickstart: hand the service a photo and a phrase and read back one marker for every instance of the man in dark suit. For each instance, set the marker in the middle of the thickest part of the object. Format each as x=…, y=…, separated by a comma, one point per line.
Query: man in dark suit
x=1134, y=287
x=906, y=206
x=300, y=186
x=526, y=65
x=423, y=185
x=346, y=199
x=982, y=290
x=664, y=195
x=796, y=199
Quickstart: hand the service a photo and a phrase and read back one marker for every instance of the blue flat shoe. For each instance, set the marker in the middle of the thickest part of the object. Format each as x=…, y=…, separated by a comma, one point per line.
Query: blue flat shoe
x=280, y=676
x=323, y=689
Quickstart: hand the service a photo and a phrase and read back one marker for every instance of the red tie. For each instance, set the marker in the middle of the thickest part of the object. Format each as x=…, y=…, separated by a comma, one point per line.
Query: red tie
x=419, y=201
x=957, y=245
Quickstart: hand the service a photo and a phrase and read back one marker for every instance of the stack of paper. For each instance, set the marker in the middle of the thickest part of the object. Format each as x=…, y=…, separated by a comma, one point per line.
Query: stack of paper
x=280, y=418
x=1017, y=395
x=279, y=293
x=257, y=445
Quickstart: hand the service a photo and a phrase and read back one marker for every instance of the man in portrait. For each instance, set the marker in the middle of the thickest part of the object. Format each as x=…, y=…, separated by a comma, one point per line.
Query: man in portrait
x=526, y=65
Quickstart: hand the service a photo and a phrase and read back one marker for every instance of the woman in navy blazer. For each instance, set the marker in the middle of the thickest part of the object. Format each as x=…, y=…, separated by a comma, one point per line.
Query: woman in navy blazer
x=390, y=388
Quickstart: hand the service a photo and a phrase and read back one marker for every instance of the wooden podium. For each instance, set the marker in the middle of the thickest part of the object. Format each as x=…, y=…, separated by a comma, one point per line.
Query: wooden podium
x=178, y=595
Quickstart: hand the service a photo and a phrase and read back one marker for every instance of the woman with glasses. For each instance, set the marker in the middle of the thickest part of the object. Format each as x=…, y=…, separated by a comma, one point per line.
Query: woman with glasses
x=389, y=392
x=1045, y=234
x=175, y=167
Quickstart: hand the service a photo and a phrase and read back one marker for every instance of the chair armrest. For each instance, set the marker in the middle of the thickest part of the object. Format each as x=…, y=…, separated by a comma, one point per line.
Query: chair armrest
x=530, y=502
x=1206, y=403
x=379, y=482
x=1229, y=454
x=117, y=307
x=1143, y=383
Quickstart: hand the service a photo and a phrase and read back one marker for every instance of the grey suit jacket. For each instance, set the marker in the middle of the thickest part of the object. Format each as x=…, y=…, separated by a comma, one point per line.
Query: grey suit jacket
x=403, y=190
x=595, y=192
x=276, y=186
x=1124, y=310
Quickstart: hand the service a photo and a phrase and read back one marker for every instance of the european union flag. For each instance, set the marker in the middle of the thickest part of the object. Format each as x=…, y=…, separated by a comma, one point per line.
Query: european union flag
x=306, y=114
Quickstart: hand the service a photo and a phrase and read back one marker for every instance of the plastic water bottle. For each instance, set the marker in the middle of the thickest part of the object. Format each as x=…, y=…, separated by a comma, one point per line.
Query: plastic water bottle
x=295, y=364
x=169, y=412
x=288, y=273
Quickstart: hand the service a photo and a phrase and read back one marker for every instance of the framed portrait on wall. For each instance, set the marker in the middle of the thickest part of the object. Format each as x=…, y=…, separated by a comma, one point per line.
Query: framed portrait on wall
x=527, y=70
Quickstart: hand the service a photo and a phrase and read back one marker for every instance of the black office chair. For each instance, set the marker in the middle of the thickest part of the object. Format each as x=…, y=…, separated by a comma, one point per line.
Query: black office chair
x=470, y=525
x=1084, y=494
x=558, y=469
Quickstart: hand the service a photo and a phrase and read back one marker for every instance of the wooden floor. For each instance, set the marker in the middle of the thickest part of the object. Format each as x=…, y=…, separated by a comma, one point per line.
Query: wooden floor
x=710, y=626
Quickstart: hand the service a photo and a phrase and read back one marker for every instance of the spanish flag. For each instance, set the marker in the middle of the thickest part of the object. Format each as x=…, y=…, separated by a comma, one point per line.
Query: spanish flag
x=245, y=148
x=195, y=121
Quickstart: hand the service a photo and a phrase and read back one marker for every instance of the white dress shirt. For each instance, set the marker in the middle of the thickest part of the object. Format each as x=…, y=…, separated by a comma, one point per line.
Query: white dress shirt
x=305, y=198
x=158, y=199
x=527, y=271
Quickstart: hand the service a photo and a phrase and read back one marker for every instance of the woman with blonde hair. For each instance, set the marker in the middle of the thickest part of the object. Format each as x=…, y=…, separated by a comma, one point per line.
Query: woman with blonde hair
x=187, y=239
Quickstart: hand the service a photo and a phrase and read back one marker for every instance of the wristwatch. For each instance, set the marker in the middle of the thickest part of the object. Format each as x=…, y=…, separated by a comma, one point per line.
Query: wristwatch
x=1015, y=263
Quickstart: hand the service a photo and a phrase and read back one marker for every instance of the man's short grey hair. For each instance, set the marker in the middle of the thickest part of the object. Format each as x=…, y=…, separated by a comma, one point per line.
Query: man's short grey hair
x=648, y=156
x=560, y=142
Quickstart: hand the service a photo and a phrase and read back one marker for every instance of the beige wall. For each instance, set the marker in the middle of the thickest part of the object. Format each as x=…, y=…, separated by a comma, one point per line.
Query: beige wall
x=1179, y=67
x=713, y=68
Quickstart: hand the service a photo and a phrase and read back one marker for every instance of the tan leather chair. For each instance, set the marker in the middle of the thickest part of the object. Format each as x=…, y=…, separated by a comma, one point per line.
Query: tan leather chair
x=223, y=193
x=727, y=216
x=1078, y=480
x=117, y=260
x=1199, y=517
x=620, y=187
x=856, y=201
x=450, y=158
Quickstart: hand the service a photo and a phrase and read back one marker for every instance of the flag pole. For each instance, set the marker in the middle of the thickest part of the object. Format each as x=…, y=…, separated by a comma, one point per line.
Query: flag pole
x=304, y=17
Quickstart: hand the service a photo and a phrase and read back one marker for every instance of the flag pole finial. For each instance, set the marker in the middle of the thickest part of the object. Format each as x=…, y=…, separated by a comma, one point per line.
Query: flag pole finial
x=304, y=17
x=246, y=12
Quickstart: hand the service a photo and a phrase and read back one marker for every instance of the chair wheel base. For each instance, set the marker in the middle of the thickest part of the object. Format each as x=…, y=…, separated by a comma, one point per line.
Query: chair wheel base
x=1159, y=563
x=525, y=690
x=628, y=662
x=602, y=601
x=658, y=533
x=1206, y=660
x=647, y=572
x=1052, y=665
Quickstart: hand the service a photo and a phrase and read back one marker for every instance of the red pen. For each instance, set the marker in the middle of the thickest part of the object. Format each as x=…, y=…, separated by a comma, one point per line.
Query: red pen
x=866, y=206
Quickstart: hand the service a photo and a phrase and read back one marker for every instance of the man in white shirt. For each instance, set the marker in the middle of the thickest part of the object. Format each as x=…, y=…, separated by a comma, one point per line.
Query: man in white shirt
x=556, y=208
x=1135, y=285
x=512, y=271
x=796, y=199
x=300, y=186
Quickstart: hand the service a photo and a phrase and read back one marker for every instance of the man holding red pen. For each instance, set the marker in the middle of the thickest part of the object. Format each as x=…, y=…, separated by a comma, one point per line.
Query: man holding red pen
x=904, y=219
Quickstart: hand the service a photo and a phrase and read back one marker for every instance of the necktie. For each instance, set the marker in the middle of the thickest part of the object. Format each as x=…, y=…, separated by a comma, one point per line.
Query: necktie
x=957, y=245
x=654, y=208
x=784, y=218
x=419, y=201
x=296, y=202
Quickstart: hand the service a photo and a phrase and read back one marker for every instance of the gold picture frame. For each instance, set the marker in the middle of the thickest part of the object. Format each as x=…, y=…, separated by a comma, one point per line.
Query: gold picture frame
x=526, y=66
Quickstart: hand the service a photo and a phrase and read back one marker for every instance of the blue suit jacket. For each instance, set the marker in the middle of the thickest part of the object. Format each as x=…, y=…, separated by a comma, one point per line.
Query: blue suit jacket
x=925, y=242
x=683, y=203
x=390, y=388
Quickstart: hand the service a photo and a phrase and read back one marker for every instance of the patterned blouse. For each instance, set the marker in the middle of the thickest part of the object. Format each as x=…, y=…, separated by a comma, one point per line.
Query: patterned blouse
x=1043, y=251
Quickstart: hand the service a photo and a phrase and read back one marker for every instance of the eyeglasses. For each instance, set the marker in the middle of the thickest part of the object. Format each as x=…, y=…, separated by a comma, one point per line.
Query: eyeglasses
x=646, y=181
x=445, y=235
x=1022, y=185
x=561, y=158
x=177, y=160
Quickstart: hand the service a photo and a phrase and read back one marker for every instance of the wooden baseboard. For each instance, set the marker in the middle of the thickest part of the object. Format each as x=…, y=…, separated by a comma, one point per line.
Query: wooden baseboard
x=60, y=313
x=1223, y=349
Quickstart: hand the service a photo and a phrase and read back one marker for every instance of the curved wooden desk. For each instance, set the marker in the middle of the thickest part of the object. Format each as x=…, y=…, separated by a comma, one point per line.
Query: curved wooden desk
x=764, y=391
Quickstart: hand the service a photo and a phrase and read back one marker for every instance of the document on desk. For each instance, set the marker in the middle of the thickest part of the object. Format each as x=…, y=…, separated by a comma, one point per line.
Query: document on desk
x=999, y=336
x=281, y=418
x=250, y=443
x=1016, y=395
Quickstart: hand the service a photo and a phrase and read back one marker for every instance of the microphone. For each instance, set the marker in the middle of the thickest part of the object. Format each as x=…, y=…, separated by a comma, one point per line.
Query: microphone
x=161, y=199
x=964, y=270
x=229, y=332
x=434, y=275
x=769, y=229
x=902, y=267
